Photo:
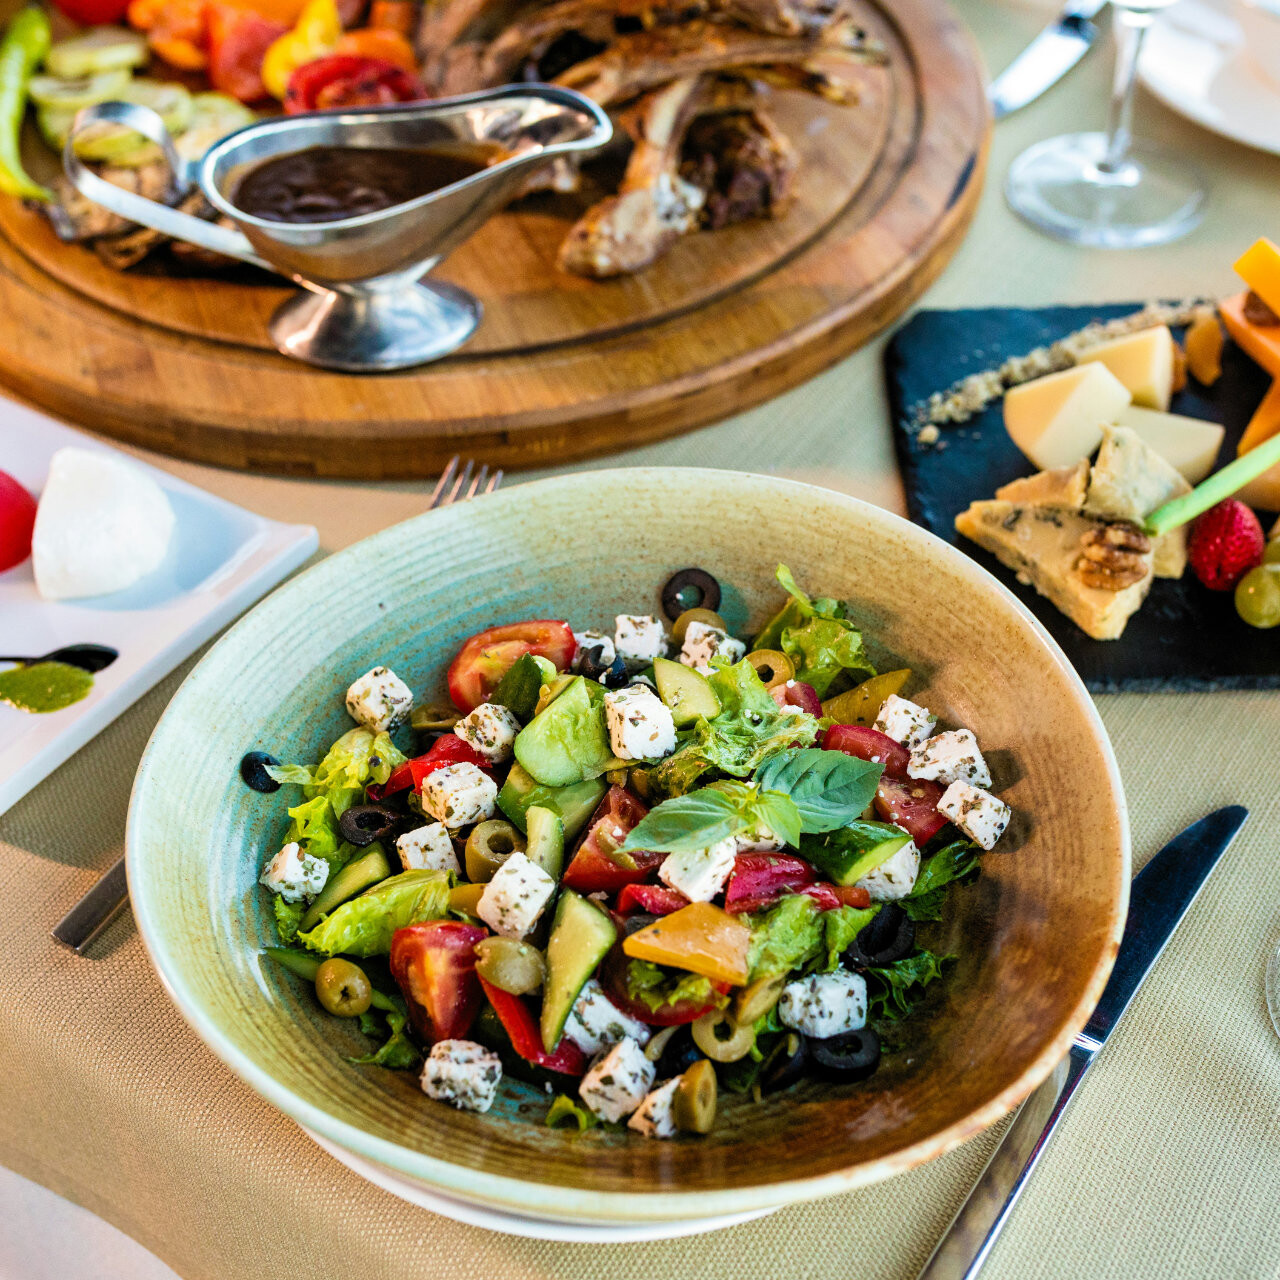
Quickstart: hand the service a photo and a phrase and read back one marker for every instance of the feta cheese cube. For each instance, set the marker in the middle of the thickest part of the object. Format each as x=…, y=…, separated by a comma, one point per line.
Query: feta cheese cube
x=616, y=1084
x=379, y=699
x=980, y=815
x=294, y=875
x=950, y=757
x=703, y=642
x=459, y=794
x=761, y=840
x=489, y=729
x=593, y=639
x=639, y=639
x=895, y=877
x=700, y=873
x=516, y=896
x=824, y=1004
x=595, y=1023
x=428, y=848
x=463, y=1073
x=640, y=726
x=655, y=1117
x=905, y=721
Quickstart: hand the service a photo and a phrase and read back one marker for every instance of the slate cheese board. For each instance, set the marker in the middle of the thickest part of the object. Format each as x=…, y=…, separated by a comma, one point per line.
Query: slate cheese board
x=1184, y=637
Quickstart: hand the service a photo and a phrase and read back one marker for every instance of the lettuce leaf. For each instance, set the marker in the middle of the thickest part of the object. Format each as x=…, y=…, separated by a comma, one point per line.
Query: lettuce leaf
x=358, y=758
x=363, y=925
x=816, y=635
x=786, y=936
x=840, y=927
x=653, y=986
x=563, y=1108
x=288, y=918
x=894, y=991
x=397, y=1052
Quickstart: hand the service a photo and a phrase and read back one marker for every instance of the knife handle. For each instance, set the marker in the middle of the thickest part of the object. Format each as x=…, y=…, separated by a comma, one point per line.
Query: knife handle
x=974, y=1230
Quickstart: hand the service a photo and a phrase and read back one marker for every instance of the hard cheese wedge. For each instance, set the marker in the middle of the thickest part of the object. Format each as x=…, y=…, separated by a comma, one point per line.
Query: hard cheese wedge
x=1063, y=488
x=1263, y=492
x=1261, y=342
x=1058, y=419
x=1259, y=268
x=1042, y=547
x=1189, y=444
x=1142, y=361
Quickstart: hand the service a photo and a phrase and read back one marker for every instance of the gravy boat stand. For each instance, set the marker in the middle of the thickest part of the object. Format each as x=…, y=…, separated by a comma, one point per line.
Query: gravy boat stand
x=364, y=306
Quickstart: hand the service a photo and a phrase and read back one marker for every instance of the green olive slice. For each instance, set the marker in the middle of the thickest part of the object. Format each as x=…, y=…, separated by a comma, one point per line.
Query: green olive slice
x=489, y=845
x=694, y=1106
x=721, y=1037
x=772, y=666
x=511, y=966
x=434, y=715
x=755, y=1000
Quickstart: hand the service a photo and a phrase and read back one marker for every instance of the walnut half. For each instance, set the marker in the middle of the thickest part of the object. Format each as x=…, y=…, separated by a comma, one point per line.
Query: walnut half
x=1112, y=556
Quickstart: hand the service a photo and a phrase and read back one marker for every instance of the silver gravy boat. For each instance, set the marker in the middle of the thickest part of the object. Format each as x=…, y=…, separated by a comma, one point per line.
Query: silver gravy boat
x=364, y=307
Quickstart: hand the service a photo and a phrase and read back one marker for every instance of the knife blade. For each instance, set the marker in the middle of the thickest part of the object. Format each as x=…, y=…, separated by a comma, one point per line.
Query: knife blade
x=1162, y=893
x=1046, y=59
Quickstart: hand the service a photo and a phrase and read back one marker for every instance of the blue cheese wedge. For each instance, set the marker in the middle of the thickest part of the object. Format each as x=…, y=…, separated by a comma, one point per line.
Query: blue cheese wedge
x=462, y=1073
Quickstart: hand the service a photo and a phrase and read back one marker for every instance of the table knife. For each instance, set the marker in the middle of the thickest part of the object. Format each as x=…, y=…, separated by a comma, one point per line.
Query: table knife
x=1162, y=893
x=1046, y=59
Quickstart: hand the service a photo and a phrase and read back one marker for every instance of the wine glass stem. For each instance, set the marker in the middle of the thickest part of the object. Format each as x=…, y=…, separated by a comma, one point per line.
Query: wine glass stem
x=1131, y=28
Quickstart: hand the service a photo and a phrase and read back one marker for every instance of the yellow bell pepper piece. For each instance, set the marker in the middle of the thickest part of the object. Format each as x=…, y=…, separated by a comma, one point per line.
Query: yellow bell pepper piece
x=316, y=34
x=862, y=705
x=700, y=938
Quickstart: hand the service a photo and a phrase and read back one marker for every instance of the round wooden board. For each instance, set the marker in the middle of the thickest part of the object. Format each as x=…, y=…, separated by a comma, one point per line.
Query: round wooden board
x=562, y=367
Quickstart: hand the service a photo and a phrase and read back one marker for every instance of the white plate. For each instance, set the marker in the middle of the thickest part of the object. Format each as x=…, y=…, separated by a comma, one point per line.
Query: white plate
x=221, y=559
x=1194, y=61
x=512, y=1224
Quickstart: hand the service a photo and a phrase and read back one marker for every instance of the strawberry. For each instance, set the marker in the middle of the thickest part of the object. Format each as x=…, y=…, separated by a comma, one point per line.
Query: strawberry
x=1225, y=543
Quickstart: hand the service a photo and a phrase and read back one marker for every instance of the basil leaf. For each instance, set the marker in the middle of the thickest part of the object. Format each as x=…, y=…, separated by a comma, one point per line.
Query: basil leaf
x=956, y=862
x=778, y=813
x=829, y=788
x=687, y=823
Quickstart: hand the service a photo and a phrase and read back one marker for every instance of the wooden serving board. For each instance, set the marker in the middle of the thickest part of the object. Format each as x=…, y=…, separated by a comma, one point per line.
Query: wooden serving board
x=561, y=367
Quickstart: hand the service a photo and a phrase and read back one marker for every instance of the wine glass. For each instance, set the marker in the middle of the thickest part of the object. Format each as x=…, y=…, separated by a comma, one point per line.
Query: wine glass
x=1104, y=189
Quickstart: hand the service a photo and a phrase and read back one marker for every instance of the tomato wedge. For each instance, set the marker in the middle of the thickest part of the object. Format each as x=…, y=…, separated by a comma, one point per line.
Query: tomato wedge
x=434, y=965
x=869, y=744
x=17, y=519
x=795, y=693
x=490, y=654
x=911, y=803
x=651, y=898
x=238, y=41
x=592, y=870
x=526, y=1038
x=447, y=749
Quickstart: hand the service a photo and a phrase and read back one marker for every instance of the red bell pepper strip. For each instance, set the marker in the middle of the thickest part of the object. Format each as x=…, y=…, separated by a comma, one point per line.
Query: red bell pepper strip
x=650, y=898
x=449, y=749
x=339, y=81
x=526, y=1038
x=434, y=965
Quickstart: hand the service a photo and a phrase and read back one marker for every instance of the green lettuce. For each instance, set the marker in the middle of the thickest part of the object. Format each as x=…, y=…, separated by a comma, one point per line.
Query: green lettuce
x=786, y=936
x=894, y=991
x=816, y=635
x=956, y=862
x=653, y=986
x=563, y=1108
x=358, y=758
x=840, y=927
x=363, y=926
x=397, y=1052
x=288, y=917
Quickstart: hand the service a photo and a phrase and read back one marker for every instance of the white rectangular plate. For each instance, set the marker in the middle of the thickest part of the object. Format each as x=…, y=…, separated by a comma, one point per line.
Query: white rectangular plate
x=221, y=559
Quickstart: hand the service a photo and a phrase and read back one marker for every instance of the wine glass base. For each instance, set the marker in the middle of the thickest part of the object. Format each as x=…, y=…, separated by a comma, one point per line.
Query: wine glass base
x=1059, y=186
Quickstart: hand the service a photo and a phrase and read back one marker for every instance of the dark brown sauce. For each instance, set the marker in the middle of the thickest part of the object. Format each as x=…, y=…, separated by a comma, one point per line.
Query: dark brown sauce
x=324, y=184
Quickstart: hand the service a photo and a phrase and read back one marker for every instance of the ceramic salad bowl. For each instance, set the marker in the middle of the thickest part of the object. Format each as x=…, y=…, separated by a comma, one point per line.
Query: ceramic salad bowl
x=1035, y=934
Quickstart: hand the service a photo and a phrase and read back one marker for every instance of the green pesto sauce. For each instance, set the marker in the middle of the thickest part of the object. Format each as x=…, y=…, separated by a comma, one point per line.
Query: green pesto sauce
x=44, y=686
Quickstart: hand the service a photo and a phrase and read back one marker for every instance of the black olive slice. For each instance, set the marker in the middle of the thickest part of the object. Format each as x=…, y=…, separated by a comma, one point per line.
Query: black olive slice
x=889, y=937
x=253, y=769
x=849, y=1057
x=690, y=589
x=785, y=1062
x=362, y=824
x=678, y=1054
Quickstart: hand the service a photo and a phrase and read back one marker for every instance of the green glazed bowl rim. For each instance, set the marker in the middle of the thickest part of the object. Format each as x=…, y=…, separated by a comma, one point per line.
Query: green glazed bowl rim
x=565, y=1203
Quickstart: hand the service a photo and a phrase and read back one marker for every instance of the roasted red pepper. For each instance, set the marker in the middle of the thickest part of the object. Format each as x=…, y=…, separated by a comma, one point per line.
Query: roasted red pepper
x=650, y=898
x=346, y=80
x=526, y=1037
x=449, y=749
x=434, y=965
x=238, y=41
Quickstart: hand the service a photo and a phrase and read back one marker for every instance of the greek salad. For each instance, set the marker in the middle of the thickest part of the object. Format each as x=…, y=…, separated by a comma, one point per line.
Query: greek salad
x=637, y=868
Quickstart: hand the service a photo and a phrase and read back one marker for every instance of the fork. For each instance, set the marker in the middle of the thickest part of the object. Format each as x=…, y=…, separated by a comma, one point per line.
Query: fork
x=458, y=481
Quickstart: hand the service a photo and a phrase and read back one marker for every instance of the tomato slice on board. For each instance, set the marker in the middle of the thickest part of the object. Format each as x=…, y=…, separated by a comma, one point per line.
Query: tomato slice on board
x=651, y=898
x=343, y=80
x=17, y=519
x=434, y=965
x=591, y=869
x=490, y=654
x=869, y=744
x=238, y=41
x=911, y=803
x=526, y=1036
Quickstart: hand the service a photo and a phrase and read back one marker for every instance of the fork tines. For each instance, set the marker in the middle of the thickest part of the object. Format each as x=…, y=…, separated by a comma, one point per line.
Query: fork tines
x=460, y=481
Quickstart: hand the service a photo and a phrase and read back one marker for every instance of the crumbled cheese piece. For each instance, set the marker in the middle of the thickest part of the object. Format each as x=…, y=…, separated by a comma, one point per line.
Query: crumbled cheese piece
x=595, y=1023
x=703, y=642
x=428, y=848
x=950, y=757
x=761, y=840
x=295, y=875
x=980, y=815
x=895, y=877
x=592, y=639
x=824, y=1004
x=616, y=1084
x=905, y=721
x=655, y=1117
x=639, y=639
x=463, y=1073
x=459, y=794
x=490, y=729
x=379, y=699
x=640, y=724
x=516, y=896
x=699, y=873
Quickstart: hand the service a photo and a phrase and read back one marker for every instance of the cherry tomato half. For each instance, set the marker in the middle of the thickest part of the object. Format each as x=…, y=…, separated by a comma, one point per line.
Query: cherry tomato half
x=346, y=80
x=912, y=804
x=434, y=965
x=490, y=654
x=17, y=518
x=869, y=744
x=592, y=870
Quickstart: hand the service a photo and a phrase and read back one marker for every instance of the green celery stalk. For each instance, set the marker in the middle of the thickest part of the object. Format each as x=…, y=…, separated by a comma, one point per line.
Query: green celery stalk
x=1210, y=491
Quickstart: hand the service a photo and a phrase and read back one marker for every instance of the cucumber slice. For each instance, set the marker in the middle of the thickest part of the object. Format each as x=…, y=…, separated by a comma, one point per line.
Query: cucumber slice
x=687, y=693
x=84, y=91
x=213, y=116
x=115, y=144
x=854, y=851
x=358, y=875
x=546, y=839
x=580, y=938
x=96, y=50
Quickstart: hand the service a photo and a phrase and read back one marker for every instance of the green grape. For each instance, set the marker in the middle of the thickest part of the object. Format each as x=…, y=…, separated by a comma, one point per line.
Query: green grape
x=1258, y=596
x=1272, y=554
